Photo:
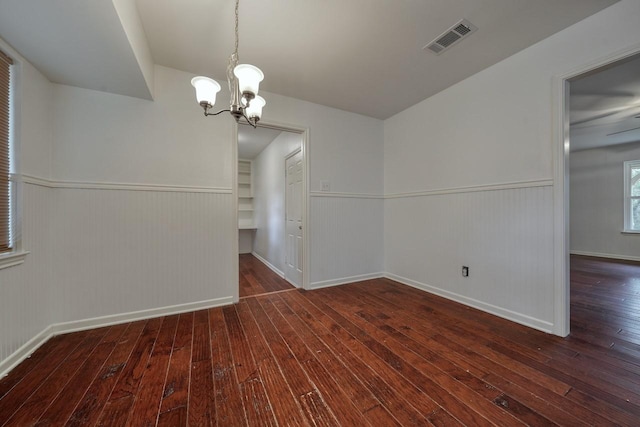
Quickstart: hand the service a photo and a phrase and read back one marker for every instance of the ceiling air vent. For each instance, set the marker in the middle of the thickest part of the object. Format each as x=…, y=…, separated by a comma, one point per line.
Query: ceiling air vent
x=450, y=37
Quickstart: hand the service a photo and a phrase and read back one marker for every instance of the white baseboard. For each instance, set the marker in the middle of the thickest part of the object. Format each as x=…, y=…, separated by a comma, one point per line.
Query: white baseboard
x=600, y=255
x=25, y=351
x=523, y=319
x=115, y=319
x=268, y=264
x=79, y=325
x=345, y=280
x=98, y=322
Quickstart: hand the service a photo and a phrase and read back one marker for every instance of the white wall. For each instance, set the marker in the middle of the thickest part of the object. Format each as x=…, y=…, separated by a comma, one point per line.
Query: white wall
x=346, y=238
x=245, y=241
x=492, y=130
x=269, y=198
x=129, y=210
x=597, y=202
x=161, y=242
x=120, y=251
x=25, y=290
x=346, y=149
x=102, y=137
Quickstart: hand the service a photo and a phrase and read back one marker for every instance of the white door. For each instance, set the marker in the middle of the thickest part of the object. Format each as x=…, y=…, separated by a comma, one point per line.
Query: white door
x=293, y=220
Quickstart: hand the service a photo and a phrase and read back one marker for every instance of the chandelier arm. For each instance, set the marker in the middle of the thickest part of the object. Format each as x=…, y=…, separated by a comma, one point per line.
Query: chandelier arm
x=255, y=125
x=206, y=113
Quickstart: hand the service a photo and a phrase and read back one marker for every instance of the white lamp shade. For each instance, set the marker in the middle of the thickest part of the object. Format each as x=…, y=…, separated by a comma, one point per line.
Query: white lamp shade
x=249, y=78
x=255, y=107
x=206, y=89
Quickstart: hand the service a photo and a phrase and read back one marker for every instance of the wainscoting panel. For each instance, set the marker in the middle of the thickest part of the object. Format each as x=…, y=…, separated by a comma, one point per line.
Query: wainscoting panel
x=505, y=237
x=120, y=251
x=26, y=290
x=346, y=239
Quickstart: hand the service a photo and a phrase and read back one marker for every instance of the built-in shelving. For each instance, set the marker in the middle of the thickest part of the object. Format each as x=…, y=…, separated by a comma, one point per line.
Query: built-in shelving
x=245, y=196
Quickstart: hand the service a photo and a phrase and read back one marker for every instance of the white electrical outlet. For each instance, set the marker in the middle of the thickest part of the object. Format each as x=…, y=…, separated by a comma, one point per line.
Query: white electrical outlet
x=325, y=186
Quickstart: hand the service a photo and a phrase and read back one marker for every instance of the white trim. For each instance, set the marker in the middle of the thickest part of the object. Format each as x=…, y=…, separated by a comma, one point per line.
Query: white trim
x=345, y=280
x=235, y=242
x=611, y=256
x=628, y=198
x=116, y=319
x=630, y=232
x=11, y=259
x=35, y=180
x=304, y=132
x=439, y=191
x=473, y=188
x=513, y=316
x=306, y=205
x=560, y=152
x=98, y=322
x=86, y=185
x=25, y=351
x=268, y=264
x=347, y=195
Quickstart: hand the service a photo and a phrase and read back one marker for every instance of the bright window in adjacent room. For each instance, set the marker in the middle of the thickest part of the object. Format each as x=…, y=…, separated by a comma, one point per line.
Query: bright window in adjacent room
x=6, y=187
x=632, y=196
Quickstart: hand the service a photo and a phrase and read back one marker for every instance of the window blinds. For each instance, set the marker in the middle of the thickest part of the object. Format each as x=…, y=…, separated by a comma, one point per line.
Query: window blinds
x=5, y=92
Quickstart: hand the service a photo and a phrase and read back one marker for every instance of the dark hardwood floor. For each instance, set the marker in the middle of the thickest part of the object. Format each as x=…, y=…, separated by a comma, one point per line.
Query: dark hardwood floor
x=371, y=353
x=605, y=303
x=257, y=279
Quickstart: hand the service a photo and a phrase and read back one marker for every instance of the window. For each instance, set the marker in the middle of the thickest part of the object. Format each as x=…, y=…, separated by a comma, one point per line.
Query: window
x=5, y=158
x=632, y=196
x=11, y=252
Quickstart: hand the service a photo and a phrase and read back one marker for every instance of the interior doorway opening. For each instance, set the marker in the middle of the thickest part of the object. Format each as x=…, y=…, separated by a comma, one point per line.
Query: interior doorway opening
x=599, y=127
x=272, y=208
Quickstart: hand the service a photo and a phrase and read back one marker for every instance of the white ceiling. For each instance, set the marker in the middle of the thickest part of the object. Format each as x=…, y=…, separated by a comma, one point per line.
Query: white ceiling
x=363, y=56
x=605, y=106
x=252, y=141
x=75, y=42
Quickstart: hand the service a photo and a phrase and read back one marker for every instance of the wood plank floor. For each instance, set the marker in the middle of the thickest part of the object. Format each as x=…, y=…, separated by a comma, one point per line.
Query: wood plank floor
x=605, y=303
x=257, y=279
x=370, y=353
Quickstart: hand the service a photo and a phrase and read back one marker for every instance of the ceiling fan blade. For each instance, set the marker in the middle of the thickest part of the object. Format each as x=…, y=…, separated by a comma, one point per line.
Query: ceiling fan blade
x=622, y=131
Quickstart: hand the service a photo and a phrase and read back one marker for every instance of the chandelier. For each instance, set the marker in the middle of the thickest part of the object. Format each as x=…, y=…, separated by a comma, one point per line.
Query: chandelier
x=244, y=82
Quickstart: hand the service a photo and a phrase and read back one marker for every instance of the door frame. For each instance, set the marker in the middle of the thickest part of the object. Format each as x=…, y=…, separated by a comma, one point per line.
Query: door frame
x=561, y=210
x=291, y=154
x=304, y=134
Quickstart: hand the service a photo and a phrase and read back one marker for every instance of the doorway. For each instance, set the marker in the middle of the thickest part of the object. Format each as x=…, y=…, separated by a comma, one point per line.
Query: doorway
x=599, y=130
x=272, y=208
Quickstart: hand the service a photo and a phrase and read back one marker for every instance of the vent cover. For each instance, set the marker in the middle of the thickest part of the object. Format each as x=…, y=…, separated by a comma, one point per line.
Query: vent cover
x=450, y=37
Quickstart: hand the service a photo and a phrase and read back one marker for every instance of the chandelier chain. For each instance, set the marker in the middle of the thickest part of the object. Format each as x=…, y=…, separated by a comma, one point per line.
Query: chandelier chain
x=237, y=37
